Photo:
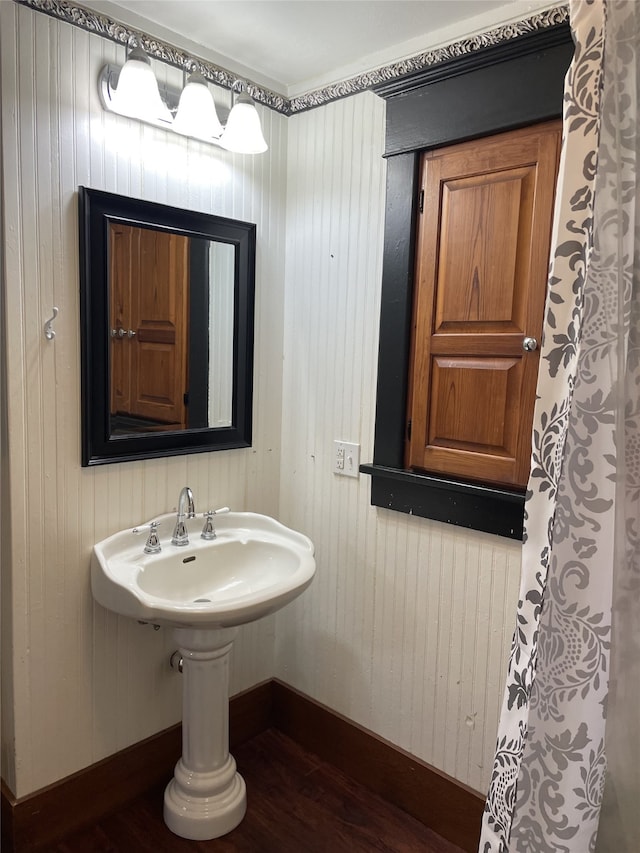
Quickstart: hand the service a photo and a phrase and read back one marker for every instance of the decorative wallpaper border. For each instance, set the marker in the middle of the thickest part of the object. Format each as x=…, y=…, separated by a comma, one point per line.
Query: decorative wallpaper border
x=397, y=70
x=106, y=27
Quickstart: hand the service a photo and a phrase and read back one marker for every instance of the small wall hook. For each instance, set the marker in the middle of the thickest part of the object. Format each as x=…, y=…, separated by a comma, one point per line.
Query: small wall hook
x=48, y=331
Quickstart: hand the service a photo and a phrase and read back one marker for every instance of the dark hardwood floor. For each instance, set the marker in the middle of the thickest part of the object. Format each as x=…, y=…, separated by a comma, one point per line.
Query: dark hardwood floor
x=296, y=804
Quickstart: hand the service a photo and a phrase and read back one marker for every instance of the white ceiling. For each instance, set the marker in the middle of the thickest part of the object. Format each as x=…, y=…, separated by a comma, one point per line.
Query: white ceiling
x=294, y=46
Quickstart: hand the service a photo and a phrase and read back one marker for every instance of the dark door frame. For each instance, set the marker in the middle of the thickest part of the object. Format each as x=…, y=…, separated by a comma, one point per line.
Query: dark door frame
x=510, y=85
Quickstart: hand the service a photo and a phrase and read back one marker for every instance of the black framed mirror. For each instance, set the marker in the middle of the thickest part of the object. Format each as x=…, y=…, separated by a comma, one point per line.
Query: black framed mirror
x=167, y=317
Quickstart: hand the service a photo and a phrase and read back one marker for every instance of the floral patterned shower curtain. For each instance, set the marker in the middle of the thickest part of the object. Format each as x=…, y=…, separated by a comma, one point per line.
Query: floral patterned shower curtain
x=566, y=776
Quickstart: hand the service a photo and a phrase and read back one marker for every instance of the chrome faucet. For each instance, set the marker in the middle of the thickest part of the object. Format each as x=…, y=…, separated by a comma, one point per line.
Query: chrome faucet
x=185, y=510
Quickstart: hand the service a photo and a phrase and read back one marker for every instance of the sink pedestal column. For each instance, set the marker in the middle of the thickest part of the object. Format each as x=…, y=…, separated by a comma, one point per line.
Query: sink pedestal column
x=207, y=797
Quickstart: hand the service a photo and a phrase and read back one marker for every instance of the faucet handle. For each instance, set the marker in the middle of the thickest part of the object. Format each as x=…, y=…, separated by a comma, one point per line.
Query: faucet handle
x=152, y=545
x=208, y=531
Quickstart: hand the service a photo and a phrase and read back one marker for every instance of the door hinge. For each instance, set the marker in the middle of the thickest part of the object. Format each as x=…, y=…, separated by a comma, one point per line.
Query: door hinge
x=409, y=430
x=421, y=201
x=185, y=398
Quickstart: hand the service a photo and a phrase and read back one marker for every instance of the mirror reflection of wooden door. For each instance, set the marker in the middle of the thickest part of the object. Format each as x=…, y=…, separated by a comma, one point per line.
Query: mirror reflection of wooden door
x=149, y=287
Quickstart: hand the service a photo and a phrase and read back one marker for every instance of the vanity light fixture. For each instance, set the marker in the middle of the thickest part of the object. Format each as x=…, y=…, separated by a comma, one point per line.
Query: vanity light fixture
x=243, y=133
x=196, y=115
x=137, y=94
x=134, y=92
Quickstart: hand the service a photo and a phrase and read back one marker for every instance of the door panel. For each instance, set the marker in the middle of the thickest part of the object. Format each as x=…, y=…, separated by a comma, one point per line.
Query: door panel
x=481, y=269
x=483, y=439
x=149, y=291
x=479, y=233
x=159, y=317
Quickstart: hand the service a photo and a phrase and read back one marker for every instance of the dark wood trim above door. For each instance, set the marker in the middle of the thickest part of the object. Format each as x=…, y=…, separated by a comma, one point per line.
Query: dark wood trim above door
x=510, y=85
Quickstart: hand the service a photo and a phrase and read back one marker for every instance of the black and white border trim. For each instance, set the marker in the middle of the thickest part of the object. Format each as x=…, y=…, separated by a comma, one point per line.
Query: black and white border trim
x=414, y=64
x=110, y=29
x=106, y=27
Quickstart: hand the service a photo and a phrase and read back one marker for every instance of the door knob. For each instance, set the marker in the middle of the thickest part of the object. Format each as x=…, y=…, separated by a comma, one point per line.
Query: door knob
x=131, y=333
x=529, y=344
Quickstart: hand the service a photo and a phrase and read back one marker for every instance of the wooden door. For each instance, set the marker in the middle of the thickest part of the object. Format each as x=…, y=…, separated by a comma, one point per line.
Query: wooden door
x=159, y=312
x=149, y=291
x=481, y=270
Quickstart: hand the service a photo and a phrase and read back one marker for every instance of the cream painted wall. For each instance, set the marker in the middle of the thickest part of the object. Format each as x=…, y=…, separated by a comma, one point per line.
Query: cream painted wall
x=406, y=628
x=78, y=682
x=407, y=625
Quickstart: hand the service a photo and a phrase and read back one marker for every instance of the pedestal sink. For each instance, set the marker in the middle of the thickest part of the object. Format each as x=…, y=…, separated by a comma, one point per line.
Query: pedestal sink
x=204, y=591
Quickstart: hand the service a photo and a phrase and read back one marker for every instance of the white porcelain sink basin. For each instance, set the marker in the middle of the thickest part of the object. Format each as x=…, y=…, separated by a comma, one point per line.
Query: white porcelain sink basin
x=255, y=566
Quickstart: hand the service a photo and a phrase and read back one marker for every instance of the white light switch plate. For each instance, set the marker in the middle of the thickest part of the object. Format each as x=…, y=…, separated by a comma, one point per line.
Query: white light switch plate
x=346, y=458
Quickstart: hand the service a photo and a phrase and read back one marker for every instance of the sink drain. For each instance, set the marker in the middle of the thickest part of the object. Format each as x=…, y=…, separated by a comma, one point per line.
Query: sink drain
x=202, y=600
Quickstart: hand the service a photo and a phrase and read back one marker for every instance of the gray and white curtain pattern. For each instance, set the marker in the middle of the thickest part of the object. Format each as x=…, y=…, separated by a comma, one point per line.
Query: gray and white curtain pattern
x=566, y=775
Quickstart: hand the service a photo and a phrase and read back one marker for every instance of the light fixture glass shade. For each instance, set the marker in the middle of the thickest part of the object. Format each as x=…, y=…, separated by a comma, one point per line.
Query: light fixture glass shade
x=243, y=133
x=136, y=94
x=196, y=114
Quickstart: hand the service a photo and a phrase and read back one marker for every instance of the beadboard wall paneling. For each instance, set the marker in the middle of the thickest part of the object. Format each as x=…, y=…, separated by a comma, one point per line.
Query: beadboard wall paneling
x=6, y=671
x=406, y=627
x=78, y=682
